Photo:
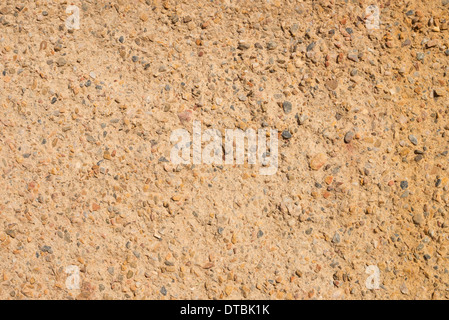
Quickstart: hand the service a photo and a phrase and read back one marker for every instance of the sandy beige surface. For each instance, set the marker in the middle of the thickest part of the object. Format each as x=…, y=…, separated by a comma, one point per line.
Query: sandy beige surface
x=85, y=123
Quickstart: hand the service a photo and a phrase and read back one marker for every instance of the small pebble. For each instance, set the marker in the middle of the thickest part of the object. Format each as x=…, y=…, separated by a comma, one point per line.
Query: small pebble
x=349, y=136
x=413, y=139
x=287, y=107
x=286, y=134
x=404, y=185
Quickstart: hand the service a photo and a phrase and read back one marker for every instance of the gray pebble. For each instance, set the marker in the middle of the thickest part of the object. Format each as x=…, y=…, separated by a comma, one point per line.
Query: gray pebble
x=271, y=45
x=311, y=46
x=353, y=57
x=336, y=238
x=286, y=134
x=287, y=105
x=413, y=139
x=47, y=249
x=349, y=136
